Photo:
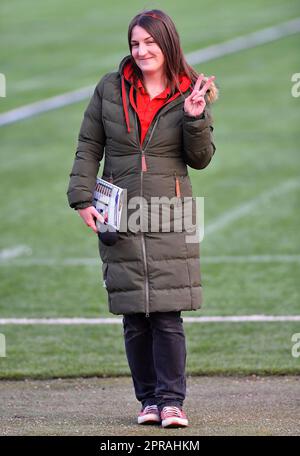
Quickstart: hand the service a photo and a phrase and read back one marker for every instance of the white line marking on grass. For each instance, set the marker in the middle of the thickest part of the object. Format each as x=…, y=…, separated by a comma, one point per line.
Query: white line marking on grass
x=240, y=43
x=52, y=262
x=97, y=262
x=242, y=318
x=245, y=208
x=49, y=104
x=110, y=321
x=13, y=252
x=248, y=41
x=225, y=219
x=252, y=259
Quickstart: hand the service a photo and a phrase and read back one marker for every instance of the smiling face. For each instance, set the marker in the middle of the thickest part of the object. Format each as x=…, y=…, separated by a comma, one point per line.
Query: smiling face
x=146, y=52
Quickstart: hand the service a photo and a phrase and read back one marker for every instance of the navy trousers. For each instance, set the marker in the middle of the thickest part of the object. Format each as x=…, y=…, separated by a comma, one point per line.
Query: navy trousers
x=156, y=353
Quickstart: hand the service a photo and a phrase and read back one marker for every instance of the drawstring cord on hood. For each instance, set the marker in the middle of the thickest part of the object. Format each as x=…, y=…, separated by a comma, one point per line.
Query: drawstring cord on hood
x=125, y=104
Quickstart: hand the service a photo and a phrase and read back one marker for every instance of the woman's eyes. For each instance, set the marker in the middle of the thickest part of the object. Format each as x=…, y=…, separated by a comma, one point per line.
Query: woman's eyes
x=147, y=42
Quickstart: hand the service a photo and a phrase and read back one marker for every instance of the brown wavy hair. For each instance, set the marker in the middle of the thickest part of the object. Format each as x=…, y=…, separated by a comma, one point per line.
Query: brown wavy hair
x=161, y=27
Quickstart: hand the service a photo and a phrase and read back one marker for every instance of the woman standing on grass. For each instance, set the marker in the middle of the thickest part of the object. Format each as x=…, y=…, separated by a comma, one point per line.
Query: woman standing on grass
x=151, y=119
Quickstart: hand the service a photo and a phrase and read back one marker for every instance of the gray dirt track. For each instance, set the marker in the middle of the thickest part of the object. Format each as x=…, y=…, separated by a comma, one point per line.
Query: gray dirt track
x=107, y=407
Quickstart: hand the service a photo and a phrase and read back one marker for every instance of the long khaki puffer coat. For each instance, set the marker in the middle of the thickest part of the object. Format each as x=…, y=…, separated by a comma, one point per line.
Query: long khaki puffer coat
x=144, y=271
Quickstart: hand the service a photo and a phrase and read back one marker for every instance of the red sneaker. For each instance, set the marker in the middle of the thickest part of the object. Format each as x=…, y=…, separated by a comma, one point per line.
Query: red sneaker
x=149, y=415
x=172, y=416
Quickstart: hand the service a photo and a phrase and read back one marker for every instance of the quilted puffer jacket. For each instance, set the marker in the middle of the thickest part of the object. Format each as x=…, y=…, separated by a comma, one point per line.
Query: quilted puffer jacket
x=154, y=270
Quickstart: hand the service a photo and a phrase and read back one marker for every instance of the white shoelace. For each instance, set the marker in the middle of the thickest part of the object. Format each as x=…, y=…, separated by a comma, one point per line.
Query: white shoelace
x=151, y=409
x=171, y=411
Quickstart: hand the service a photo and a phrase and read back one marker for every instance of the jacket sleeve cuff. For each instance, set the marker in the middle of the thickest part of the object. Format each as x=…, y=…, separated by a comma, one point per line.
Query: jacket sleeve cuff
x=191, y=118
x=82, y=205
x=196, y=123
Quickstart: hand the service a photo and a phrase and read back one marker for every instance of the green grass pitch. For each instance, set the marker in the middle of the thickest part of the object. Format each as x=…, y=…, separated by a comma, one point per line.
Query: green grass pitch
x=53, y=47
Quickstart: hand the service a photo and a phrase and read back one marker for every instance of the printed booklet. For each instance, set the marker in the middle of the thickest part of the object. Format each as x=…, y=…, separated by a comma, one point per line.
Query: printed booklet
x=108, y=200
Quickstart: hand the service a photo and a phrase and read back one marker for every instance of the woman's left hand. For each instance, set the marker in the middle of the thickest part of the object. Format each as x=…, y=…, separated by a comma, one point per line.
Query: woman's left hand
x=195, y=103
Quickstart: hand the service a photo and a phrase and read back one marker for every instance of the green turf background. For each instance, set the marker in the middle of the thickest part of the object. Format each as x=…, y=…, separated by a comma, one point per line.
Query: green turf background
x=52, y=47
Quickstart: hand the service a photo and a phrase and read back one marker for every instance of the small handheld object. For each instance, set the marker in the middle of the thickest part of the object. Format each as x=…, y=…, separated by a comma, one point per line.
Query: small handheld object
x=108, y=200
x=107, y=234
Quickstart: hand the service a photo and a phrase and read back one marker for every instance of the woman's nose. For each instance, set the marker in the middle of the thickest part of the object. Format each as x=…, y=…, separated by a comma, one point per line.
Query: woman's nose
x=142, y=50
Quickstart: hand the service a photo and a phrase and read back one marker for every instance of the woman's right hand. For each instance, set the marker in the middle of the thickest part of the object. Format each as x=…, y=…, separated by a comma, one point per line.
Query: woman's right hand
x=89, y=214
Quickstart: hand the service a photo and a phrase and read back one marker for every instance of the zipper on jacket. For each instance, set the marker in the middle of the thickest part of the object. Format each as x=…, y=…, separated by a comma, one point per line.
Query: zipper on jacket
x=144, y=163
x=144, y=169
x=145, y=258
x=142, y=233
